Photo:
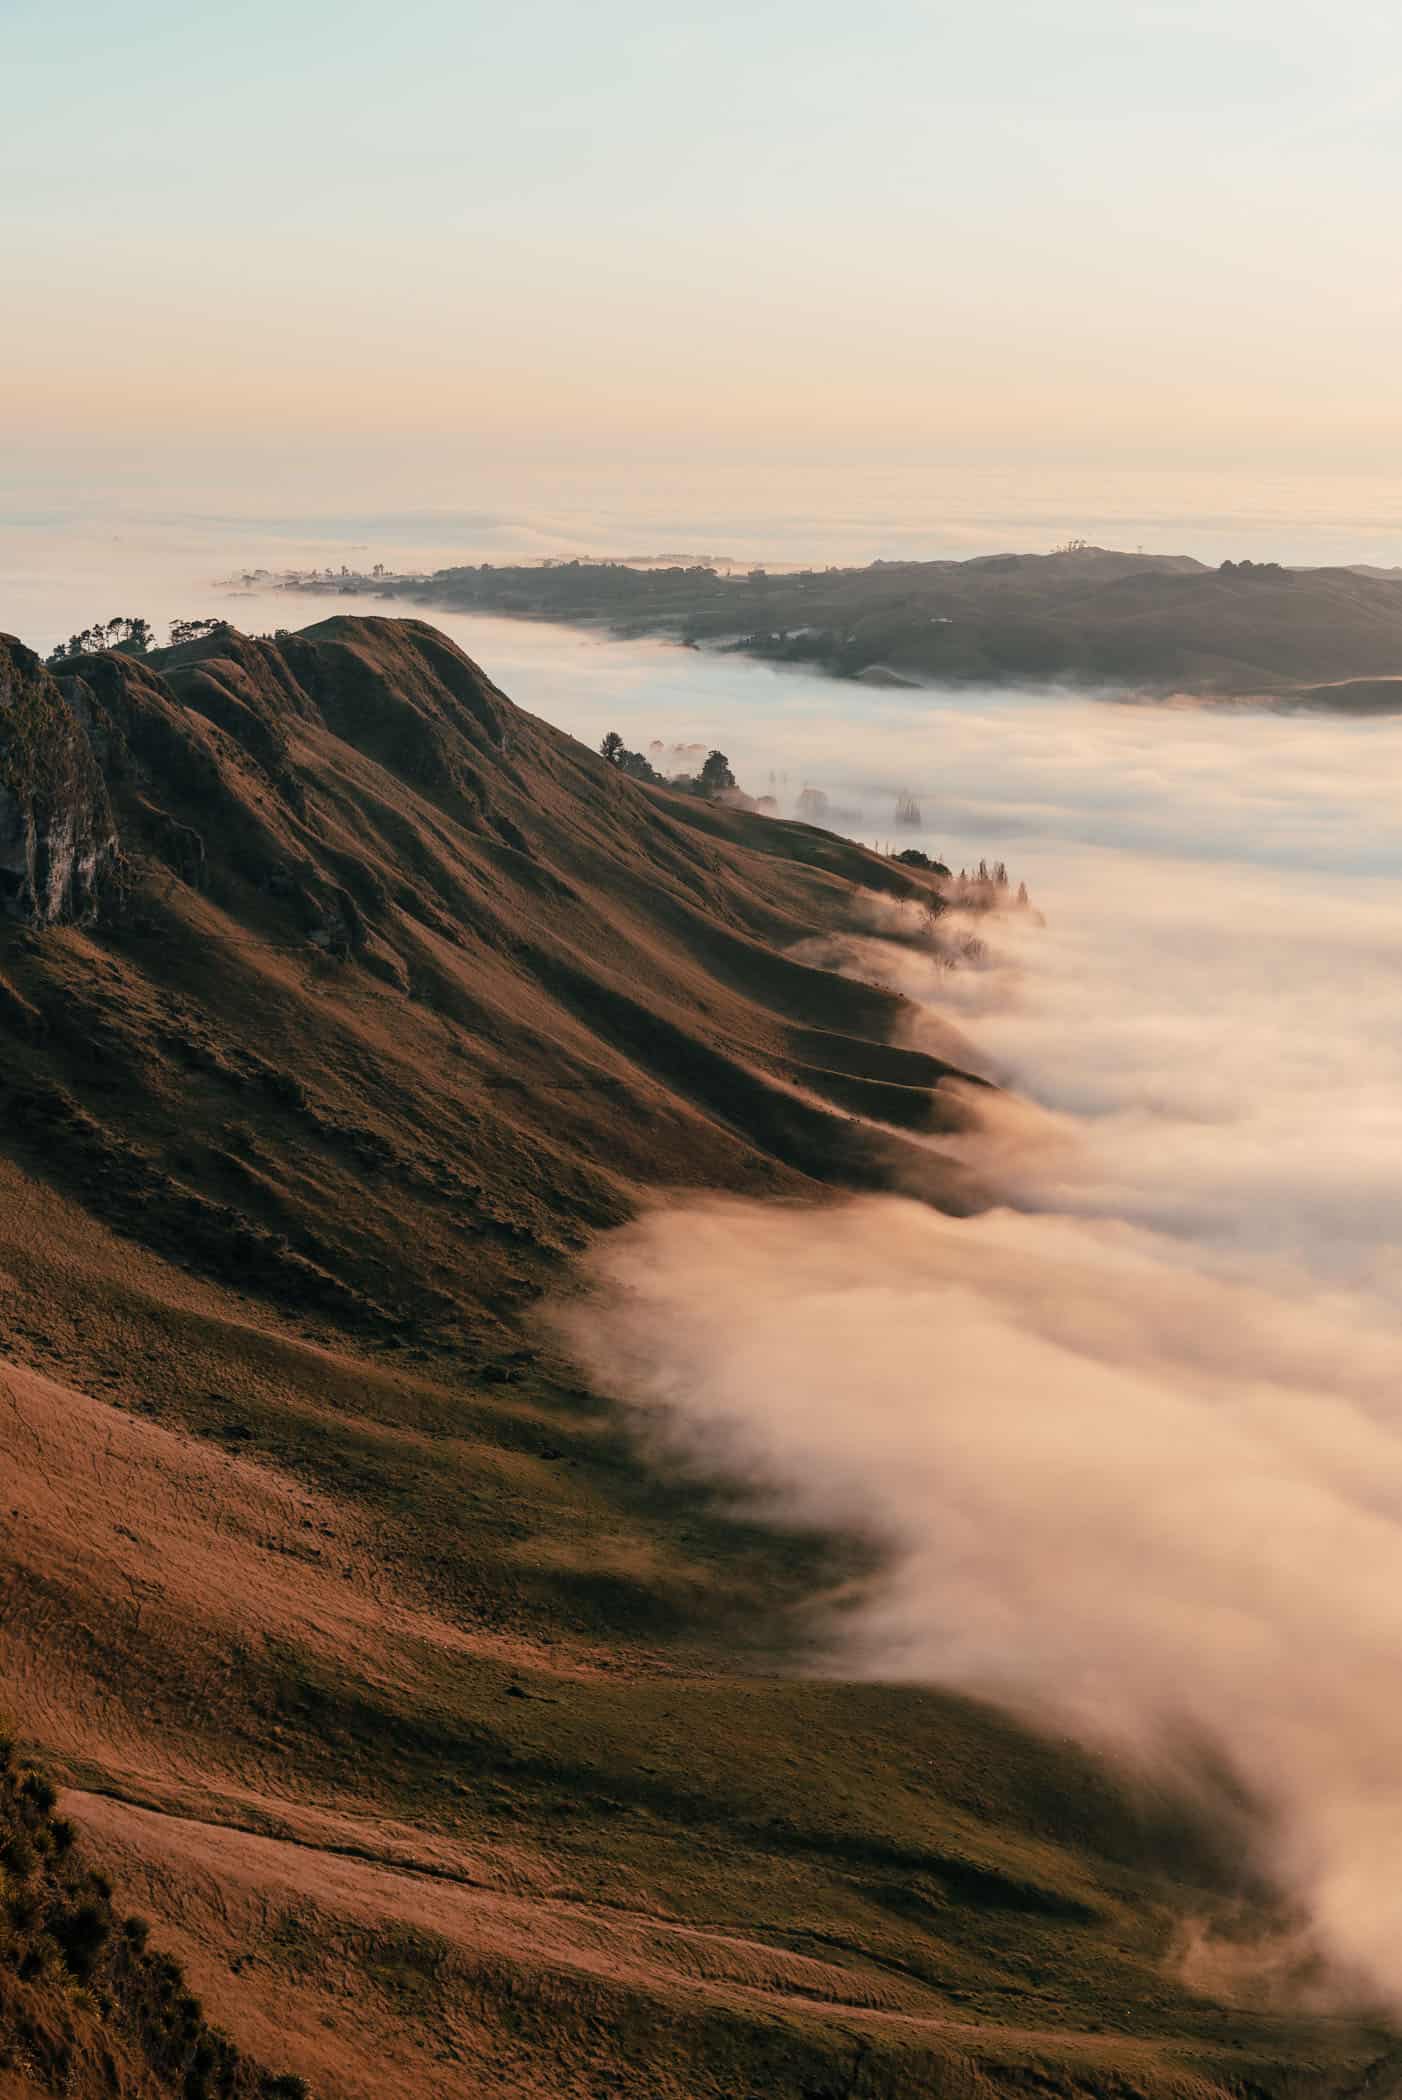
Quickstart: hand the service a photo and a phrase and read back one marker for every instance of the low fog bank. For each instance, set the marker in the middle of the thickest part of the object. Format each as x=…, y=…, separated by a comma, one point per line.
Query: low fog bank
x=1211, y=1050
x=1132, y=1443
x=1113, y=1490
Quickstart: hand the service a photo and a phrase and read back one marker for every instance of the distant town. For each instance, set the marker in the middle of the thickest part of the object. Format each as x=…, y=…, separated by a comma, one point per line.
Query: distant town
x=352, y=581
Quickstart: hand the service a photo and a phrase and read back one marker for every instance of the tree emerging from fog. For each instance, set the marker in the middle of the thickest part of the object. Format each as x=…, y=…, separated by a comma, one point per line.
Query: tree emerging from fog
x=715, y=777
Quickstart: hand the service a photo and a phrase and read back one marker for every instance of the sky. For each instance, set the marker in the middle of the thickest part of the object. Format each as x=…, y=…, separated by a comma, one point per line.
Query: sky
x=1046, y=261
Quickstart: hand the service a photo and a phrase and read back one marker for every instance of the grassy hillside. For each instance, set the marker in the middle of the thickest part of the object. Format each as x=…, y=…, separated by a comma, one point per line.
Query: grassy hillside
x=85, y=2004
x=452, y=1748
x=1148, y=623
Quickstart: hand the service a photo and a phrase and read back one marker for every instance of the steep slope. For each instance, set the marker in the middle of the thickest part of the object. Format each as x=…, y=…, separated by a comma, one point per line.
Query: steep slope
x=56, y=835
x=455, y=1747
x=85, y=2006
x=352, y=863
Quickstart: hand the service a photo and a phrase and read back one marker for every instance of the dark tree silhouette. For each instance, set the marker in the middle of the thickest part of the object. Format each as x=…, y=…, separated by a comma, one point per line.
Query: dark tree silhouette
x=132, y=637
x=715, y=775
x=615, y=752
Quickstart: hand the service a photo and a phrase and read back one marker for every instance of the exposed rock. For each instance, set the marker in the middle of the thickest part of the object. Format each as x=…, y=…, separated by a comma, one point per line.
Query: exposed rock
x=57, y=836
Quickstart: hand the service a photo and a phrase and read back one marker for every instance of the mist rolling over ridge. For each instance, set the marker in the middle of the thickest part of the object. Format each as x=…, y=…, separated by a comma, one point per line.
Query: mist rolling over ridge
x=944, y=1572
x=1130, y=1446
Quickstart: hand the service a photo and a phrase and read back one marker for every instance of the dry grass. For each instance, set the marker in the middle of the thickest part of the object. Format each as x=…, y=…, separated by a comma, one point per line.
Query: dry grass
x=85, y=2004
x=452, y=1749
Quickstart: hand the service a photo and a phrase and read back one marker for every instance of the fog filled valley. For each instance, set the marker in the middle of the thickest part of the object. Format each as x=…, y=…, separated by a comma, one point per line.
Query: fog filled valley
x=1130, y=1441
x=765, y=1485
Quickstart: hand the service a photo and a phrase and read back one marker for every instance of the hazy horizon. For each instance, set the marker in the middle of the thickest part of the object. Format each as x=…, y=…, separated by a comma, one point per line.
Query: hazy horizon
x=64, y=564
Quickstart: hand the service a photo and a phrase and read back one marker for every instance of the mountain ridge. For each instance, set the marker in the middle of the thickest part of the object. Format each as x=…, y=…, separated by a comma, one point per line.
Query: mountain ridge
x=453, y=1745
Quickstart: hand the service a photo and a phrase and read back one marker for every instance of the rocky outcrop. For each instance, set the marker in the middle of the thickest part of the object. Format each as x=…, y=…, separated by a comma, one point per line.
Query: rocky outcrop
x=58, y=841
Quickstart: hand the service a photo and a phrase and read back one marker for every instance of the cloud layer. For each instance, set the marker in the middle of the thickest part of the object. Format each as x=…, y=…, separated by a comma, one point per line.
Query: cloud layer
x=1131, y=1443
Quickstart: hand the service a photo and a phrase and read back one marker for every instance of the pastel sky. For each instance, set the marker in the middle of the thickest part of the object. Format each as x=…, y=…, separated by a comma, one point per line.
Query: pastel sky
x=259, y=240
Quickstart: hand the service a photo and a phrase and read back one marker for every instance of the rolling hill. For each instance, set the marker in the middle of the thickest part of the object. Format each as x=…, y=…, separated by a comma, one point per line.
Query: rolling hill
x=1150, y=624
x=451, y=1746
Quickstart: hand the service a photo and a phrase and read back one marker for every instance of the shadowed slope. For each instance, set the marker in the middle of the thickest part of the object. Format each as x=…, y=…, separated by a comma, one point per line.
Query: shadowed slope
x=353, y=867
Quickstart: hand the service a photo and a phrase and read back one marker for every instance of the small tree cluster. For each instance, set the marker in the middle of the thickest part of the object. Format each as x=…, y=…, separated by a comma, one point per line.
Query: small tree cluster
x=912, y=857
x=715, y=777
x=631, y=763
x=193, y=630
x=985, y=888
x=132, y=637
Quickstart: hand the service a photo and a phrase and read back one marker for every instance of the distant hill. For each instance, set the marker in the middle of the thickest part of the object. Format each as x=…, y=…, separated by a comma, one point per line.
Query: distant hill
x=454, y=1745
x=1088, y=615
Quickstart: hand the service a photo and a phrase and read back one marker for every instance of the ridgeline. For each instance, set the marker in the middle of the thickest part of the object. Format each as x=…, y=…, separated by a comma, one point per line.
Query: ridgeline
x=450, y=1743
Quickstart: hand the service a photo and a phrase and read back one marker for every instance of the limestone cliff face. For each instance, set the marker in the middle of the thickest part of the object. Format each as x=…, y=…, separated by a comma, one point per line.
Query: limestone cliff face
x=58, y=840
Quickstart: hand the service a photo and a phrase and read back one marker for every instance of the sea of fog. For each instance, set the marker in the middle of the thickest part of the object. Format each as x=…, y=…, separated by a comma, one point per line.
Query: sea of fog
x=1132, y=1442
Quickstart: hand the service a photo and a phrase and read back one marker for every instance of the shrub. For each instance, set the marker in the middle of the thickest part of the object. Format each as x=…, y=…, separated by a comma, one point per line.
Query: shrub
x=75, y=1985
